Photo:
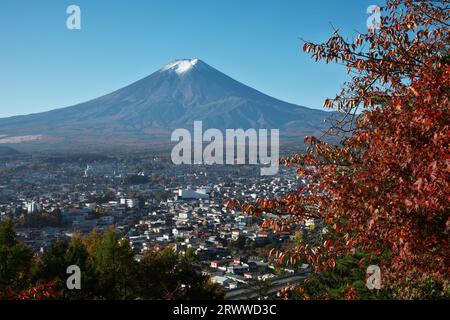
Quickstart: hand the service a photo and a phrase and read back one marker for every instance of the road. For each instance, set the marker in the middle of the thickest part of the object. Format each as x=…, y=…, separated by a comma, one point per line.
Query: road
x=278, y=283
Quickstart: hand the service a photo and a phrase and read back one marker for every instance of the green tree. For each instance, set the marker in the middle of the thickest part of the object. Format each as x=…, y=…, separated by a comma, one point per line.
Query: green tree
x=168, y=275
x=237, y=244
x=348, y=274
x=190, y=255
x=52, y=266
x=261, y=288
x=15, y=259
x=53, y=263
x=115, y=266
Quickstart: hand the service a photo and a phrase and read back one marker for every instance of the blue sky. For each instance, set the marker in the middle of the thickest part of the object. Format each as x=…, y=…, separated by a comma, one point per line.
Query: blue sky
x=44, y=66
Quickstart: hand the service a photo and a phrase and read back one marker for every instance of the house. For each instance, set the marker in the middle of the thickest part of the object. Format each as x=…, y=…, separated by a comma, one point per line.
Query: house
x=237, y=269
x=217, y=263
x=223, y=281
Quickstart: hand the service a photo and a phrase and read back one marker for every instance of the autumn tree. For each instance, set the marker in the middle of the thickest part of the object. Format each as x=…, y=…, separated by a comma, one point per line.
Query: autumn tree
x=45, y=291
x=385, y=189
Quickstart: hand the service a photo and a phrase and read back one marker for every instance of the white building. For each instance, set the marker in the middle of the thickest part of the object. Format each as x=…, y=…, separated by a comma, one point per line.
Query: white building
x=130, y=203
x=33, y=207
x=190, y=194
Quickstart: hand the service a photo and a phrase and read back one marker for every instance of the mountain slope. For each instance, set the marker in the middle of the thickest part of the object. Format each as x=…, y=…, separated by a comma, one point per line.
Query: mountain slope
x=180, y=93
x=7, y=151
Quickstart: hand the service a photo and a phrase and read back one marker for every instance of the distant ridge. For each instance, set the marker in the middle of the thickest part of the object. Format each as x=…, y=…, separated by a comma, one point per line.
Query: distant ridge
x=8, y=151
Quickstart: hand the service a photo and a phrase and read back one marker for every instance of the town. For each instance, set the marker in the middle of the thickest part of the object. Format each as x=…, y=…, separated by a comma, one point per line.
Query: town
x=154, y=204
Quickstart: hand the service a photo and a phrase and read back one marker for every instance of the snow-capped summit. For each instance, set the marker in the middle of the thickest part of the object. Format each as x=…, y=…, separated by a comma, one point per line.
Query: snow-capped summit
x=146, y=112
x=181, y=66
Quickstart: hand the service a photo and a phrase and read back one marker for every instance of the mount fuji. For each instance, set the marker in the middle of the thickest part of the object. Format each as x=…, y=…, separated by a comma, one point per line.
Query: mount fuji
x=143, y=114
